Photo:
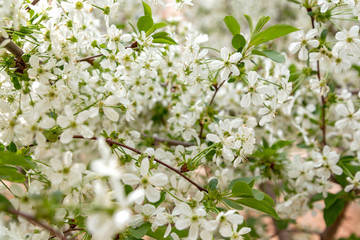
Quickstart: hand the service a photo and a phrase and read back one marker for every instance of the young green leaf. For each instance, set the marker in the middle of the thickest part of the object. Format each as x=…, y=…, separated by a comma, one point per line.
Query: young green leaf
x=250, y=22
x=213, y=184
x=145, y=23
x=261, y=206
x=11, y=174
x=273, y=55
x=232, y=204
x=238, y=41
x=232, y=25
x=249, y=180
x=166, y=40
x=260, y=24
x=272, y=33
x=10, y=158
x=147, y=9
x=155, y=27
x=241, y=189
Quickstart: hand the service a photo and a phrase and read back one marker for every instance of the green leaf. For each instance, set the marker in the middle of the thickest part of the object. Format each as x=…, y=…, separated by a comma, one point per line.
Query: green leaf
x=213, y=184
x=10, y=158
x=272, y=33
x=232, y=25
x=147, y=9
x=260, y=24
x=249, y=180
x=273, y=55
x=160, y=34
x=232, y=204
x=12, y=147
x=332, y=213
x=238, y=41
x=280, y=144
x=166, y=40
x=258, y=195
x=261, y=206
x=155, y=27
x=145, y=23
x=11, y=174
x=16, y=82
x=249, y=21
x=331, y=199
x=5, y=204
x=241, y=189
x=140, y=231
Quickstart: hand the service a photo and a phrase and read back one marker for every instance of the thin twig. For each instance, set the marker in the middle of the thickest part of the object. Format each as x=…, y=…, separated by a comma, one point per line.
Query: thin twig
x=35, y=221
x=323, y=98
x=169, y=141
x=32, y=3
x=112, y=142
x=89, y=58
x=12, y=47
x=211, y=102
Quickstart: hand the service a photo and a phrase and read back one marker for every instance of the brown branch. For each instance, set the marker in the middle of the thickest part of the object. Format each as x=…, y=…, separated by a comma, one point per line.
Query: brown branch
x=91, y=58
x=330, y=231
x=17, y=52
x=112, y=142
x=268, y=188
x=323, y=98
x=35, y=221
x=32, y=3
x=169, y=141
x=211, y=102
x=87, y=59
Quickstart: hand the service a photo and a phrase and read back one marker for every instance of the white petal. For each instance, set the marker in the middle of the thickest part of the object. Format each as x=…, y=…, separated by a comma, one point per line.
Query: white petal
x=213, y=138
x=144, y=169
x=130, y=179
x=294, y=47
x=158, y=179
x=152, y=194
x=225, y=53
x=111, y=114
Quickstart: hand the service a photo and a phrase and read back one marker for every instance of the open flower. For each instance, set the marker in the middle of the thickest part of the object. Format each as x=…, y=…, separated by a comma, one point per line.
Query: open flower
x=303, y=41
x=147, y=181
x=228, y=63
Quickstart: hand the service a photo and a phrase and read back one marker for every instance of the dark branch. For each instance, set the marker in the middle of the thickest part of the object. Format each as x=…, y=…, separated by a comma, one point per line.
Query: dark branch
x=169, y=141
x=34, y=221
x=112, y=142
x=32, y=3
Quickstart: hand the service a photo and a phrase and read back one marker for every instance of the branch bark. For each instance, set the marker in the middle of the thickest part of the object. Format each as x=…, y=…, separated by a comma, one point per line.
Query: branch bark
x=330, y=231
x=35, y=221
x=169, y=141
x=112, y=142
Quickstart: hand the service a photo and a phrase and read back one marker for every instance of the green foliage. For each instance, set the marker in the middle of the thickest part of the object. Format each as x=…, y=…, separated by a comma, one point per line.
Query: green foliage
x=5, y=204
x=271, y=33
x=147, y=9
x=213, y=184
x=232, y=24
x=238, y=42
x=273, y=55
x=334, y=205
x=145, y=23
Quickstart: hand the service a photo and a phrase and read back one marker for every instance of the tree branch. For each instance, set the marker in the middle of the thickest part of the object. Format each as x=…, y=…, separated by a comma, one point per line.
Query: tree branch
x=211, y=102
x=32, y=3
x=330, y=231
x=17, y=52
x=34, y=221
x=169, y=141
x=323, y=98
x=112, y=142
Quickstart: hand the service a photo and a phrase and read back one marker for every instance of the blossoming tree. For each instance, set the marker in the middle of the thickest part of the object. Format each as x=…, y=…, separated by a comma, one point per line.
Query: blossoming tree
x=118, y=121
